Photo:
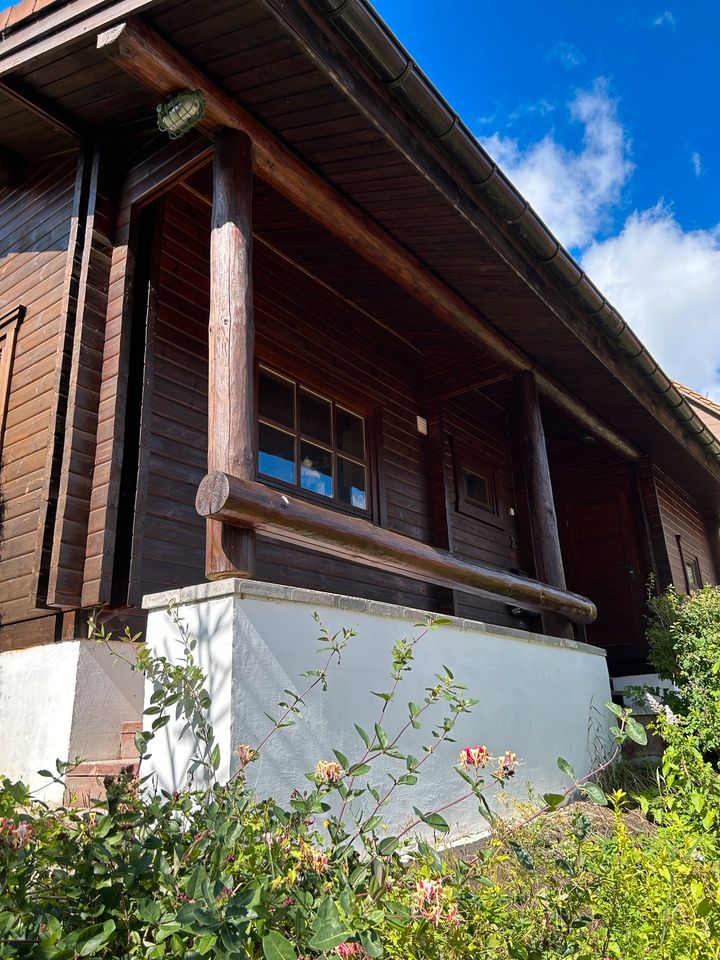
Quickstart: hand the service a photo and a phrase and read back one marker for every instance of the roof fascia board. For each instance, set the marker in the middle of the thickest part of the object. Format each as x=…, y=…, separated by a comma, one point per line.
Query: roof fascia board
x=599, y=323
x=62, y=26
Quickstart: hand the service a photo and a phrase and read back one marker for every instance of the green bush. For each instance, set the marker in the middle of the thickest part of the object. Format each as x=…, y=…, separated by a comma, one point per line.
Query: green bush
x=216, y=872
x=684, y=640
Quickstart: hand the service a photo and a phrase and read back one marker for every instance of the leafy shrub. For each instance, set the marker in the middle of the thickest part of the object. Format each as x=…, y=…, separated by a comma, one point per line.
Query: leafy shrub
x=684, y=640
x=216, y=872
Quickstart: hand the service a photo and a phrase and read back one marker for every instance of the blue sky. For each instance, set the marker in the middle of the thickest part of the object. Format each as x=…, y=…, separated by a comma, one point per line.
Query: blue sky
x=605, y=116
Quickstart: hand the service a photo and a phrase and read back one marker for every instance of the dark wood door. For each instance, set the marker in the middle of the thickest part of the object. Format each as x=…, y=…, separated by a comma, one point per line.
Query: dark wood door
x=604, y=561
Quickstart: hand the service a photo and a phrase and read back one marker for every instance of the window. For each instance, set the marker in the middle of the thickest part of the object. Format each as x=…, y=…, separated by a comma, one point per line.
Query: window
x=8, y=331
x=308, y=441
x=476, y=491
x=691, y=567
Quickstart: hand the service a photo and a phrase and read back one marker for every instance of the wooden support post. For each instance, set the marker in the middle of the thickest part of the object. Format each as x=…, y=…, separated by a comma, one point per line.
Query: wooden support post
x=543, y=519
x=231, y=420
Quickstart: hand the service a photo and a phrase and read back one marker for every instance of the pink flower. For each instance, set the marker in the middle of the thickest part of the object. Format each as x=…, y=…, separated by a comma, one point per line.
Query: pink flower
x=474, y=757
x=452, y=916
x=506, y=765
x=246, y=754
x=351, y=950
x=328, y=771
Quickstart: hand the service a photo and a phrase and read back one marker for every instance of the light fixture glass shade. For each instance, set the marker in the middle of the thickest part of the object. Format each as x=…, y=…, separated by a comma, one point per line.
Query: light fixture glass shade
x=181, y=113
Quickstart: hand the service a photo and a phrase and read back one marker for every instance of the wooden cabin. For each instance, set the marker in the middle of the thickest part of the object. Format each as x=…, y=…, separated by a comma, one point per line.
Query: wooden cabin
x=318, y=340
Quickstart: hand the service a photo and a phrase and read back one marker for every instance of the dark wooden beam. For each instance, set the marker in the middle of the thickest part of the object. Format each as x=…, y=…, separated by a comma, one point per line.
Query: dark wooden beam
x=292, y=520
x=157, y=65
x=231, y=417
x=42, y=108
x=543, y=519
x=460, y=378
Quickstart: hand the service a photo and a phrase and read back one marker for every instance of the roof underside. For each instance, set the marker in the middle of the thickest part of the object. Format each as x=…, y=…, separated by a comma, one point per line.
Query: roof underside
x=245, y=50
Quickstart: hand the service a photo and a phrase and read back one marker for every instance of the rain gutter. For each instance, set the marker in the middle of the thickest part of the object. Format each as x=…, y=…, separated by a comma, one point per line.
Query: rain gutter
x=358, y=23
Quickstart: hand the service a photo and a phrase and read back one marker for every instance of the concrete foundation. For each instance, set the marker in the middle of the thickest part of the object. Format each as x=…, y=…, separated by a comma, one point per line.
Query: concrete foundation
x=61, y=701
x=541, y=697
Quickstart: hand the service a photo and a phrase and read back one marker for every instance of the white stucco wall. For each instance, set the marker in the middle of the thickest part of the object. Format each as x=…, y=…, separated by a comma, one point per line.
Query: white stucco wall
x=61, y=701
x=539, y=696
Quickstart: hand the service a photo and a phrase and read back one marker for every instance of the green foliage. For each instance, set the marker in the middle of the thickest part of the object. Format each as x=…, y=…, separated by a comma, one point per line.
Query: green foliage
x=684, y=640
x=213, y=871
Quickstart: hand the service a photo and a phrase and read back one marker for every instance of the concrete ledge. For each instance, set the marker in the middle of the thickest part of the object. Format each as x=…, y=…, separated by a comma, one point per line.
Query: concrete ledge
x=259, y=590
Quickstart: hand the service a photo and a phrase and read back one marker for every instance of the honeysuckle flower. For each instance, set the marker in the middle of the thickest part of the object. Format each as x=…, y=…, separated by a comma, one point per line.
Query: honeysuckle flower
x=246, y=754
x=506, y=765
x=474, y=757
x=328, y=771
x=351, y=950
x=452, y=916
x=427, y=891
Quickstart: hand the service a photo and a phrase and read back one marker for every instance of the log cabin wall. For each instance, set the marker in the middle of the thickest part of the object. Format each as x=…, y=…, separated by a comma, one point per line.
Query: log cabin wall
x=35, y=229
x=686, y=534
x=306, y=332
x=477, y=435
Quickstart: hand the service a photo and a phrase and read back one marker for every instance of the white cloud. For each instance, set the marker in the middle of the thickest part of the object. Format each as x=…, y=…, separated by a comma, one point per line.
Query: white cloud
x=568, y=54
x=572, y=191
x=697, y=166
x=666, y=17
x=665, y=281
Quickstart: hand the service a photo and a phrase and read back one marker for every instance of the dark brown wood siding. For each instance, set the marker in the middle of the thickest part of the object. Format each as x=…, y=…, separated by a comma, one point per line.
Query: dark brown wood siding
x=682, y=517
x=306, y=331
x=475, y=424
x=35, y=225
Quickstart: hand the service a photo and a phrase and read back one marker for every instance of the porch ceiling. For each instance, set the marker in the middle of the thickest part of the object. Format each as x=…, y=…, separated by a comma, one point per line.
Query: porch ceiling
x=246, y=51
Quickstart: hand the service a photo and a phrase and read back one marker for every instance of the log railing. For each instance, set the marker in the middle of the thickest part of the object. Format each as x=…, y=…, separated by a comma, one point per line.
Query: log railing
x=249, y=504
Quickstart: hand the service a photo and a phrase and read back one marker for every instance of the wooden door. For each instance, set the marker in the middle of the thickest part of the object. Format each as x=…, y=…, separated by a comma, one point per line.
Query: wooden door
x=604, y=561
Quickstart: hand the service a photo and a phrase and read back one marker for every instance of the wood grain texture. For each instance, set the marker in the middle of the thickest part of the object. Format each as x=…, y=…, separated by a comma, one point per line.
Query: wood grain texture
x=142, y=53
x=231, y=407
x=34, y=236
x=288, y=518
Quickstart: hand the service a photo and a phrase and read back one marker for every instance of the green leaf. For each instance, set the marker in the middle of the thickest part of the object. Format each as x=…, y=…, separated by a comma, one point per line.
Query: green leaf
x=566, y=767
x=359, y=769
x=522, y=855
x=440, y=622
x=636, y=731
x=407, y=780
x=553, y=800
x=433, y=820
x=387, y=846
x=371, y=943
x=386, y=697
x=94, y=937
x=595, y=793
x=614, y=708
x=381, y=736
x=342, y=759
x=277, y=947
x=330, y=931
x=215, y=756
x=363, y=734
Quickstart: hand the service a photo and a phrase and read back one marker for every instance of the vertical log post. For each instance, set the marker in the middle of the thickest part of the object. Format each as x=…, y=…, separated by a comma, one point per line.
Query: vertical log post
x=231, y=418
x=543, y=519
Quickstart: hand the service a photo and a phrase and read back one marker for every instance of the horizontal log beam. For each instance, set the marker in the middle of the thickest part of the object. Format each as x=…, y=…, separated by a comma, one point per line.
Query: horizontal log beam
x=249, y=504
x=154, y=63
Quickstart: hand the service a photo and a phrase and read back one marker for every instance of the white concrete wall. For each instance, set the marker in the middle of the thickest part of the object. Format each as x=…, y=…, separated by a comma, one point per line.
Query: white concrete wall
x=61, y=701
x=540, y=697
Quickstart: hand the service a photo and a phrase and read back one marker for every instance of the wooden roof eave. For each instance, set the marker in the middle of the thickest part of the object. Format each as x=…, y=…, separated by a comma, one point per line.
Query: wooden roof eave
x=351, y=43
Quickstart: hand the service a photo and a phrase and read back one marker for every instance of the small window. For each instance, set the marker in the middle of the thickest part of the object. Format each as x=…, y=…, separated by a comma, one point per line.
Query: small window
x=8, y=331
x=308, y=441
x=476, y=492
x=692, y=573
x=690, y=566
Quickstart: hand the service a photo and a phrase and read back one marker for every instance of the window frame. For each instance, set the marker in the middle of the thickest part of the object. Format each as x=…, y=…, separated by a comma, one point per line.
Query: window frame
x=689, y=562
x=9, y=323
x=465, y=461
x=301, y=384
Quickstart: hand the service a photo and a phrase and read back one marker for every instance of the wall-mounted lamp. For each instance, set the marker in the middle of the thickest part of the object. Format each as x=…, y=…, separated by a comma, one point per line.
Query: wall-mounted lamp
x=181, y=113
